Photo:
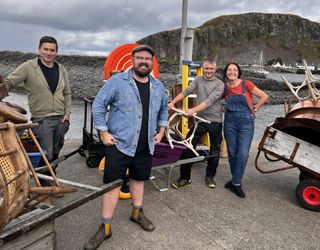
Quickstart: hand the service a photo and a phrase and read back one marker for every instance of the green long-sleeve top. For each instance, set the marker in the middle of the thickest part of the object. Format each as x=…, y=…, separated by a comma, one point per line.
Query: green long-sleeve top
x=41, y=101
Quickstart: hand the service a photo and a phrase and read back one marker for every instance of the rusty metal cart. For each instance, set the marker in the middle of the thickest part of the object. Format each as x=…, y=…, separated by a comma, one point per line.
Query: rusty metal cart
x=294, y=139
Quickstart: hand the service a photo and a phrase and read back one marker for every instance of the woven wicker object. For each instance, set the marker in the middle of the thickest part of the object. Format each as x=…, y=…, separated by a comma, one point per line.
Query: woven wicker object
x=14, y=177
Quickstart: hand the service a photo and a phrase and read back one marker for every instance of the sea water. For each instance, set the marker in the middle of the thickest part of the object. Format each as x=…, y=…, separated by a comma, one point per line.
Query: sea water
x=291, y=77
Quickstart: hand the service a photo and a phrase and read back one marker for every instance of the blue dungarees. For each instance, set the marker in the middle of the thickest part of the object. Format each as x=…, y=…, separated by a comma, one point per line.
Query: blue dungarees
x=238, y=132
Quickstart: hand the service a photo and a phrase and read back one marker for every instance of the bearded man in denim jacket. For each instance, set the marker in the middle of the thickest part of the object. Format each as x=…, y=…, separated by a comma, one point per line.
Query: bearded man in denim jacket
x=136, y=108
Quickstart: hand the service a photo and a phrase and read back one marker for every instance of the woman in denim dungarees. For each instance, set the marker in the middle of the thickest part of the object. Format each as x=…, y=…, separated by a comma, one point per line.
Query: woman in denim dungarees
x=239, y=122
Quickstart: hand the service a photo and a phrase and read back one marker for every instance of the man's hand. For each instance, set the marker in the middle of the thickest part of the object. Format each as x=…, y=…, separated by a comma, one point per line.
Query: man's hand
x=190, y=112
x=107, y=138
x=170, y=105
x=158, y=137
x=65, y=118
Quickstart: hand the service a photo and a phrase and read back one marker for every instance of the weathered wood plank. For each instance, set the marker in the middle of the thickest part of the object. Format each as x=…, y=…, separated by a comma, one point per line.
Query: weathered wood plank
x=307, y=155
x=40, y=238
x=9, y=234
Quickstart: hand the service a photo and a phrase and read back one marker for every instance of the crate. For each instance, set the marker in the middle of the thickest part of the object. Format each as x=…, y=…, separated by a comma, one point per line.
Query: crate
x=164, y=154
x=35, y=158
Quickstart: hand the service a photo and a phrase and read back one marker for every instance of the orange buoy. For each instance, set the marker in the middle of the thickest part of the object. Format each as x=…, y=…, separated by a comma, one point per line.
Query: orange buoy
x=120, y=60
x=122, y=195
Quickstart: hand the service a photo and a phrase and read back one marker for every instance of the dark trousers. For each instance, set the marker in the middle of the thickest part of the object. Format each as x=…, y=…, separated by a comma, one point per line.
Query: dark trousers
x=50, y=134
x=215, y=133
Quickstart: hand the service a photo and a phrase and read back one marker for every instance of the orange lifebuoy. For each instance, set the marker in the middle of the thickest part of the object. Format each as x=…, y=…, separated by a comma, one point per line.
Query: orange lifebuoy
x=124, y=195
x=120, y=60
x=101, y=167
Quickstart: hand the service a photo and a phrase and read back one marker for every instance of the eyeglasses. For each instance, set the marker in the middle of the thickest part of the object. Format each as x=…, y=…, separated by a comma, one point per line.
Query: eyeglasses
x=141, y=58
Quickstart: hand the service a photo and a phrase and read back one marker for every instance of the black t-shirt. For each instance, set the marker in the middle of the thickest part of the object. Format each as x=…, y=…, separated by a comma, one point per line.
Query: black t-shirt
x=51, y=75
x=144, y=91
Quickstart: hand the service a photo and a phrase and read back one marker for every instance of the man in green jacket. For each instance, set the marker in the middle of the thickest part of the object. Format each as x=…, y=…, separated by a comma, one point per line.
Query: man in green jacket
x=49, y=95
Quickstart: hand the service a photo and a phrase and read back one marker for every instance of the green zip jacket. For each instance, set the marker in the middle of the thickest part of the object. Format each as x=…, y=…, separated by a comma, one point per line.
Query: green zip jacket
x=41, y=101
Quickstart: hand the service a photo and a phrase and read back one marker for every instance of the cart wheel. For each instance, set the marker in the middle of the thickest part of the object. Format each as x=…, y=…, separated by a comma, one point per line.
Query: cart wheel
x=93, y=161
x=301, y=176
x=308, y=194
x=81, y=151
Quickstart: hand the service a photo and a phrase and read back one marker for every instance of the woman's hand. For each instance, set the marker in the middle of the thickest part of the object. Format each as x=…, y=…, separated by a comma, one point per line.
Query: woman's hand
x=263, y=97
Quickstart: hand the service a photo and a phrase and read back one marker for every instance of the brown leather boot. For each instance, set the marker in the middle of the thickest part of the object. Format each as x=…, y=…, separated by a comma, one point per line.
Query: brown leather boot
x=138, y=216
x=103, y=233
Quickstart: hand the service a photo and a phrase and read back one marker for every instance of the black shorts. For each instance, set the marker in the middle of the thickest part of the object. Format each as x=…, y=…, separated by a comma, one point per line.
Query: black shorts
x=117, y=163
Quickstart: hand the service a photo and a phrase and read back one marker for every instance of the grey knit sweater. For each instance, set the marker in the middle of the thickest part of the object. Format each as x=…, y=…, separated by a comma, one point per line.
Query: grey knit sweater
x=209, y=92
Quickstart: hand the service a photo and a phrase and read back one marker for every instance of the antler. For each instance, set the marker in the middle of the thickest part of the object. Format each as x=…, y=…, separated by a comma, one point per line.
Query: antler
x=310, y=82
x=174, y=127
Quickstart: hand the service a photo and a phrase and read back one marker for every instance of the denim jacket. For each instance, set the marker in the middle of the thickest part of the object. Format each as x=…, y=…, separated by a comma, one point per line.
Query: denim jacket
x=117, y=109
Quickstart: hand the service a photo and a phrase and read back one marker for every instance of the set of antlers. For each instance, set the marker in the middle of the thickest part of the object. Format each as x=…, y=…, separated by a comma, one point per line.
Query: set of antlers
x=173, y=127
x=310, y=82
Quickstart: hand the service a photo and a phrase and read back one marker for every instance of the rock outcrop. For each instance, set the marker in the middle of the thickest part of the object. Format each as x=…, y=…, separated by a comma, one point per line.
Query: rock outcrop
x=242, y=37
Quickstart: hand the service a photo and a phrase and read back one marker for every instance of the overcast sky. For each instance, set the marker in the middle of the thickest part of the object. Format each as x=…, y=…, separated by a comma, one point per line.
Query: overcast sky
x=98, y=26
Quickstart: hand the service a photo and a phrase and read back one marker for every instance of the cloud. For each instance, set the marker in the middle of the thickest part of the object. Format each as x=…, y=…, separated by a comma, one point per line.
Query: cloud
x=80, y=15
x=84, y=26
x=97, y=42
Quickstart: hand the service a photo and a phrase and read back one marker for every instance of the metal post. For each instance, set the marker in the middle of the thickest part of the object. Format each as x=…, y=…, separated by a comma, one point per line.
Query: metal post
x=183, y=31
x=185, y=104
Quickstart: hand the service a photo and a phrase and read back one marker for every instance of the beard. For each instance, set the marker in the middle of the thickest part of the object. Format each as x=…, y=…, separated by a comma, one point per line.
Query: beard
x=142, y=72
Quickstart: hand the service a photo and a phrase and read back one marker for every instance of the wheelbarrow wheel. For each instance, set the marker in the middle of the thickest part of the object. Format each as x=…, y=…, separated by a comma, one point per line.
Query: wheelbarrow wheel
x=304, y=175
x=93, y=160
x=308, y=194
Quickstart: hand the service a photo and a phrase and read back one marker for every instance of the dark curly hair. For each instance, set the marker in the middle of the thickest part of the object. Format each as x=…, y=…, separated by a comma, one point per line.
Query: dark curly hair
x=226, y=68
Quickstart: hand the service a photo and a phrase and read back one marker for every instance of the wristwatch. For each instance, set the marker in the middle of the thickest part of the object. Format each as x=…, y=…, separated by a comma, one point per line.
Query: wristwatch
x=255, y=109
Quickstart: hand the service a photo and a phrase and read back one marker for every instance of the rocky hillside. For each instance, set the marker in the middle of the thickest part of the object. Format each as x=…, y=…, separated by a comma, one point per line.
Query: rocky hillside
x=242, y=37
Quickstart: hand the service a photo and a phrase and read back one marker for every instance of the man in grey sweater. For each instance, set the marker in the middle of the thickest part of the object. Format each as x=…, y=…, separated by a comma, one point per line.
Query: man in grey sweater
x=209, y=91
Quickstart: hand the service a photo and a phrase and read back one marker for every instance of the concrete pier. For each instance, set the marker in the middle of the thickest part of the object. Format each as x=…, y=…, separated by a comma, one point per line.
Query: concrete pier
x=196, y=217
